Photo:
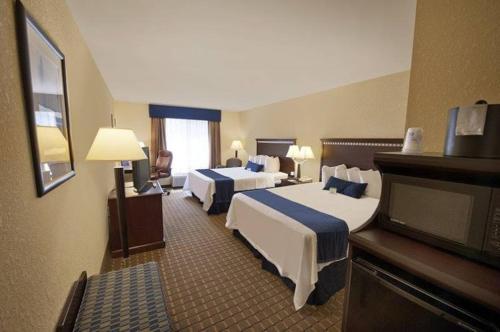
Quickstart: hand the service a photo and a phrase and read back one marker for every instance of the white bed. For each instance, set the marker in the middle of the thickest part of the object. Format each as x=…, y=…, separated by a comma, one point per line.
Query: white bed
x=288, y=244
x=204, y=187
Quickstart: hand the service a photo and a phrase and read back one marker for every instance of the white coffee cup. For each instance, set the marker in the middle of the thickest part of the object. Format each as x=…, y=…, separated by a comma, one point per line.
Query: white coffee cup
x=413, y=140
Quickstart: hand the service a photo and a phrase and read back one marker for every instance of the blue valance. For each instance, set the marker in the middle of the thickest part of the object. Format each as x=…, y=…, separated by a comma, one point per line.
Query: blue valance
x=179, y=112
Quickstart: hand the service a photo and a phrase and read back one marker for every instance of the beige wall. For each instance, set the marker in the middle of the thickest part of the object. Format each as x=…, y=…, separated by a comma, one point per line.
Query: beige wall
x=456, y=61
x=374, y=108
x=136, y=116
x=46, y=242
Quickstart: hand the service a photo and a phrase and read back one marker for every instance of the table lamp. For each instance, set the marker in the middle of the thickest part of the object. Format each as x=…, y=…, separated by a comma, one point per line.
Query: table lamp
x=114, y=144
x=300, y=155
x=236, y=145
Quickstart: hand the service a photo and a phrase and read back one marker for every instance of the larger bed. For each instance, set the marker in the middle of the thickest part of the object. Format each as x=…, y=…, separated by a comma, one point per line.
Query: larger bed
x=295, y=250
x=215, y=187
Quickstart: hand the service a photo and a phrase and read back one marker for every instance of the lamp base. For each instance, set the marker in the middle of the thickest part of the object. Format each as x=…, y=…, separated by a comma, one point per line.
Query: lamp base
x=122, y=216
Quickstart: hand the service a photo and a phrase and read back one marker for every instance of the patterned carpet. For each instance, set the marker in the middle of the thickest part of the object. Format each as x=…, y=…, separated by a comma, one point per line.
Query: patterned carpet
x=214, y=283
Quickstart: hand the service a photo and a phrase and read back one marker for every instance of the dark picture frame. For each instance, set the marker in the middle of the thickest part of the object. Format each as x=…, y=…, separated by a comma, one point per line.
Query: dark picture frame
x=43, y=73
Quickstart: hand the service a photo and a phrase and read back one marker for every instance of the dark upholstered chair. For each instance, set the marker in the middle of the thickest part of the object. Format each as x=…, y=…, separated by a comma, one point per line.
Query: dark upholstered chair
x=163, y=167
x=233, y=162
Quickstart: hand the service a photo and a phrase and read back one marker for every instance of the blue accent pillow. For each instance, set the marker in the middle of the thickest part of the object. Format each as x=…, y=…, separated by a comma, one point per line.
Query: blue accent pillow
x=334, y=182
x=348, y=188
x=254, y=167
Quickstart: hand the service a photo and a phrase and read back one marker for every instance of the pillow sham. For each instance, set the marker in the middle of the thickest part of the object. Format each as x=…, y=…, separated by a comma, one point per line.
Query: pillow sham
x=328, y=171
x=251, y=166
x=272, y=164
x=348, y=188
x=353, y=174
x=341, y=172
x=374, y=181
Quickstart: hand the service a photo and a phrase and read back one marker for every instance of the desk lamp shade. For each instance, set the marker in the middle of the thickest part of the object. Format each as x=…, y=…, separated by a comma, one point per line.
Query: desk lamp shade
x=236, y=145
x=306, y=152
x=293, y=152
x=52, y=145
x=114, y=144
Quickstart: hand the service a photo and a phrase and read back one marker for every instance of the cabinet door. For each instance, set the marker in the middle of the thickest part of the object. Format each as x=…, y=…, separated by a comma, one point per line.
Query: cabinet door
x=378, y=304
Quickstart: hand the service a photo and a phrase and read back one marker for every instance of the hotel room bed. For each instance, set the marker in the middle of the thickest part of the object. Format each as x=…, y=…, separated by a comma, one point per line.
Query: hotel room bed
x=204, y=187
x=290, y=248
x=203, y=184
x=289, y=245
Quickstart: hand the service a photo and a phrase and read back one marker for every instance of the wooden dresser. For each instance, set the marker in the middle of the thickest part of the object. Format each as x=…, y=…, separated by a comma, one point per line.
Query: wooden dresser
x=144, y=220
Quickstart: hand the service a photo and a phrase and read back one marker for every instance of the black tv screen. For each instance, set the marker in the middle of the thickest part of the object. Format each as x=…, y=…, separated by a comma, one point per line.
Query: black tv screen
x=141, y=170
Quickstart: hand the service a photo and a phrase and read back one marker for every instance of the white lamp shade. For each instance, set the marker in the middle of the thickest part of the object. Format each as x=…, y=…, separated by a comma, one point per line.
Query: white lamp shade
x=114, y=144
x=306, y=152
x=52, y=145
x=293, y=152
x=236, y=145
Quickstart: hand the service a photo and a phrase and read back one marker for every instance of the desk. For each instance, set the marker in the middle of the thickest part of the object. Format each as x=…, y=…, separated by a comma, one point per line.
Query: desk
x=144, y=220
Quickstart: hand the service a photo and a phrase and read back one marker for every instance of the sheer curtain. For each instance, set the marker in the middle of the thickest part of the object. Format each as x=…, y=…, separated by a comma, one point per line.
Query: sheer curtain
x=189, y=142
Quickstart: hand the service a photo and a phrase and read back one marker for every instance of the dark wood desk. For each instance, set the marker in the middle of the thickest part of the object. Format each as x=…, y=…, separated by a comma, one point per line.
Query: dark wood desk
x=144, y=220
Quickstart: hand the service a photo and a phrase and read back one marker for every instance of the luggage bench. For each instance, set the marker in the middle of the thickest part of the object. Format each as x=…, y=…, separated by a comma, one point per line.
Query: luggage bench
x=130, y=299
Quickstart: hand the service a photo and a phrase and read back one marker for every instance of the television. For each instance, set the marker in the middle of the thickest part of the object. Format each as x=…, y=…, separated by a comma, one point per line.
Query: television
x=141, y=172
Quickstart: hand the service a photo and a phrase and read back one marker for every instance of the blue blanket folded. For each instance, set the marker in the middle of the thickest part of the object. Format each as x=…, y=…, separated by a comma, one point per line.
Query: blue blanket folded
x=224, y=186
x=331, y=232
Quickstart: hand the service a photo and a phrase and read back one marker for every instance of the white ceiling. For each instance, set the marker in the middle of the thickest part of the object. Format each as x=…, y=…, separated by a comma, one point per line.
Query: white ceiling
x=239, y=54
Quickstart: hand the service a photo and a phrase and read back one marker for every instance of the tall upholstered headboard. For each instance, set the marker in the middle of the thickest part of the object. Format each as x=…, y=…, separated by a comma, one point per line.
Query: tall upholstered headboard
x=356, y=152
x=277, y=147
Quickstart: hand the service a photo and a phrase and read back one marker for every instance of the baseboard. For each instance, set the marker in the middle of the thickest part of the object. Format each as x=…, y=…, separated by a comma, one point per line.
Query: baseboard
x=106, y=260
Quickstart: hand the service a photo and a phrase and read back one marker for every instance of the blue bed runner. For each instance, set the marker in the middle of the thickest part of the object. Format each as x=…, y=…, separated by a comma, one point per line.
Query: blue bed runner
x=331, y=232
x=224, y=186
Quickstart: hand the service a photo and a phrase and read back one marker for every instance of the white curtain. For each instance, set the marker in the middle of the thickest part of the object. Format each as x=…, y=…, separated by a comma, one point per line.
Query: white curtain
x=189, y=143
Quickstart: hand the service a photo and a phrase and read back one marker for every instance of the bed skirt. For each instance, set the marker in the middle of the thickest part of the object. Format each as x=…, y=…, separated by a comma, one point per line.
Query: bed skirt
x=331, y=278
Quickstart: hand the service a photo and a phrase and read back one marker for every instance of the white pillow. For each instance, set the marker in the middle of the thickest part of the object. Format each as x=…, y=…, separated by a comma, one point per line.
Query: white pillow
x=260, y=159
x=353, y=174
x=341, y=172
x=374, y=180
x=251, y=158
x=327, y=172
x=270, y=164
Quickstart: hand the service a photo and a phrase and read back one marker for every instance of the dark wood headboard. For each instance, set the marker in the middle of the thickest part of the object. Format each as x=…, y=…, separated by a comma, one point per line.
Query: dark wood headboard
x=356, y=152
x=277, y=147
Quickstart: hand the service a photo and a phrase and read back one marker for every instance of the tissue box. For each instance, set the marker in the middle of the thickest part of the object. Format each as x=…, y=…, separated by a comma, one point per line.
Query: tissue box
x=474, y=146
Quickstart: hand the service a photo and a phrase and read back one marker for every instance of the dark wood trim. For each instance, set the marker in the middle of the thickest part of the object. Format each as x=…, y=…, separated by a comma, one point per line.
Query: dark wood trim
x=277, y=147
x=355, y=152
x=22, y=17
x=459, y=275
x=139, y=249
x=68, y=316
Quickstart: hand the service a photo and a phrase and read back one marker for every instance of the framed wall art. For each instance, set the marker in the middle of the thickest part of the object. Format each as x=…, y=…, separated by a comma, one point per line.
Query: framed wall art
x=46, y=103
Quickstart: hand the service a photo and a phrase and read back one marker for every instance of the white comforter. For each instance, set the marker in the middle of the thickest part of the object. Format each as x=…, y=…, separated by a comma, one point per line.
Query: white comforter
x=288, y=244
x=204, y=187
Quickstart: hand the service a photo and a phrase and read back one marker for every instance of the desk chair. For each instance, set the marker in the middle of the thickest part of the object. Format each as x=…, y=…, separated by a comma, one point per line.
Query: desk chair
x=162, y=171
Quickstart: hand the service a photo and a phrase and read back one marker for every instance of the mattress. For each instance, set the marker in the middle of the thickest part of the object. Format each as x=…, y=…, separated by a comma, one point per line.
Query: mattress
x=204, y=187
x=288, y=244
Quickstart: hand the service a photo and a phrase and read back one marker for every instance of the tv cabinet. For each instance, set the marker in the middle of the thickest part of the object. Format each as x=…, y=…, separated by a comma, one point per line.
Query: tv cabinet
x=144, y=220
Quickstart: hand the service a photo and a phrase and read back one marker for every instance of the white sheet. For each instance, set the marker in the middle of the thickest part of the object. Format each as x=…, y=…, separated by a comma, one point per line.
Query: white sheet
x=288, y=244
x=204, y=187
x=278, y=176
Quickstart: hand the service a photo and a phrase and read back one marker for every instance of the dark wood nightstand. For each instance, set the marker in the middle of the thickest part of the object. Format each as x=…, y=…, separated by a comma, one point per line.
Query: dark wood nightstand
x=291, y=182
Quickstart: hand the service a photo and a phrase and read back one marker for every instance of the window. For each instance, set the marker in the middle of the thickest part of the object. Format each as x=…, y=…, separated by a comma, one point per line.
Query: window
x=189, y=143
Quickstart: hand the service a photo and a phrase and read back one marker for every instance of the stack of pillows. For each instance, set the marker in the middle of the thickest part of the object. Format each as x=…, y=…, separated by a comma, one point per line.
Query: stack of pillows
x=263, y=163
x=352, y=182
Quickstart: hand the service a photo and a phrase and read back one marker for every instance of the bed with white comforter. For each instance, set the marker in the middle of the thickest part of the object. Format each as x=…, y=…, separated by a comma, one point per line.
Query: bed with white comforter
x=203, y=187
x=285, y=242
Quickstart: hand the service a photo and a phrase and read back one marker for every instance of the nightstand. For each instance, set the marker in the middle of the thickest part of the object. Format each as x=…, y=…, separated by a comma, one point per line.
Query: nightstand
x=291, y=182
